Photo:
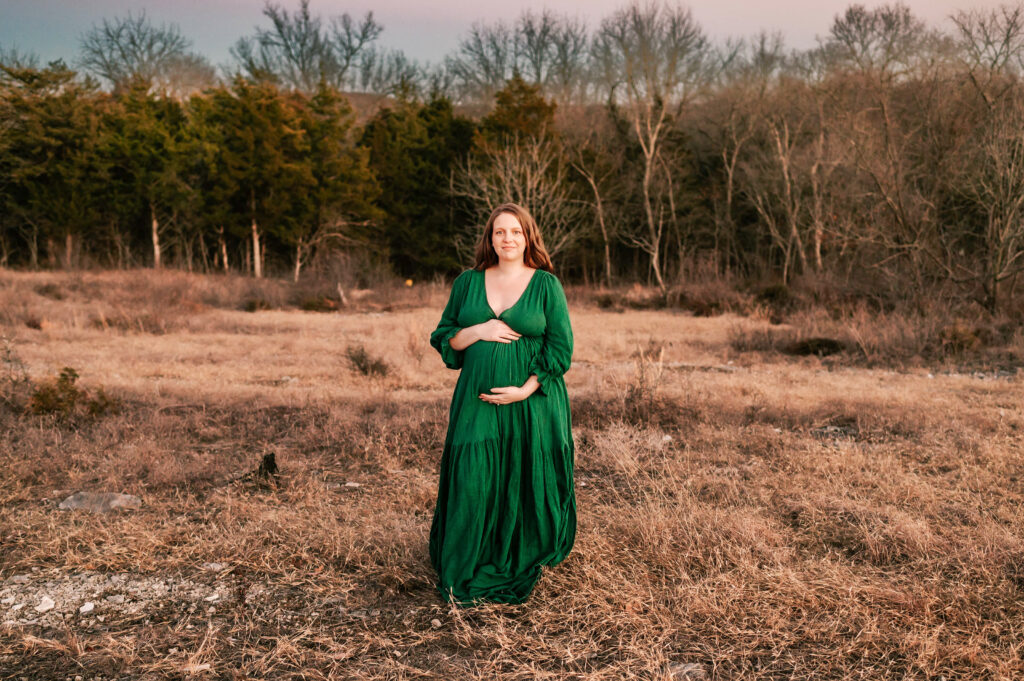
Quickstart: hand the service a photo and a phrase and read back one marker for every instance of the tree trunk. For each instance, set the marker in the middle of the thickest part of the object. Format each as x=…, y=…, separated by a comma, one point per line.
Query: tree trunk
x=51, y=253
x=69, y=244
x=298, y=262
x=202, y=252
x=729, y=229
x=223, y=249
x=818, y=188
x=790, y=198
x=122, y=257
x=33, y=248
x=257, y=259
x=674, y=221
x=599, y=210
x=653, y=232
x=649, y=146
x=156, y=237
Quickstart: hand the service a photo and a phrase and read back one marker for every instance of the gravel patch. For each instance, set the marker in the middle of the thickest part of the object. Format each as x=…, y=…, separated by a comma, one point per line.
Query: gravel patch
x=50, y=598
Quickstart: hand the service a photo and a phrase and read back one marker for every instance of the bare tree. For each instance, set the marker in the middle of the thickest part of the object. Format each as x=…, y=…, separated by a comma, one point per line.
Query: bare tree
x=531, y=171
x=748, y=69
x=992, y=46
x=534, y=38
x=439, y=80
x=299, y=52
x=992, y=178
x=552, y=52
x=570, y=77
x=773, y=188
x=486, y=58
x=12, y=58
x=599, y=161
x=873, y=53
x=883, y=42
x=389, y=72
x=825, y=153
x=545, y=49
x=350, y=39
x=653, y=59
x=183, y=76
x=128, y=48
x=295, y=49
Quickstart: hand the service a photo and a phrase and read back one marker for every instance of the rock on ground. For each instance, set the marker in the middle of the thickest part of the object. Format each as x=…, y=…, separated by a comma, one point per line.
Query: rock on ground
x=100, y=502
x=686, y=671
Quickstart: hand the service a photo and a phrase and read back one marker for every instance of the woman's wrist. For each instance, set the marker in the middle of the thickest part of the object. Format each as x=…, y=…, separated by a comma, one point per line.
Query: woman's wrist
x=462, y=339
x=531, y=386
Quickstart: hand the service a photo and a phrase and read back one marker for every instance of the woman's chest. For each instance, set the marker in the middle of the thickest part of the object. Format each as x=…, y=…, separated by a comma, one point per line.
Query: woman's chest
x=525, y=315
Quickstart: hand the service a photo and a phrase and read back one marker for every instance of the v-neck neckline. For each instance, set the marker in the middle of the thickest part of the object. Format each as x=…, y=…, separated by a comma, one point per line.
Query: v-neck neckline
x=487, y=302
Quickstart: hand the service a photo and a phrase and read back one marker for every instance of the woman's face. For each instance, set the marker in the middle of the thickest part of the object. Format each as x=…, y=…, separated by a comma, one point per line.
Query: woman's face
x=508, y=238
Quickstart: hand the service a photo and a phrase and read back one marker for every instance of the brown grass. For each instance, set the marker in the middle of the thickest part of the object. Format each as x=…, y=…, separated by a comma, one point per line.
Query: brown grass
x=764, y=516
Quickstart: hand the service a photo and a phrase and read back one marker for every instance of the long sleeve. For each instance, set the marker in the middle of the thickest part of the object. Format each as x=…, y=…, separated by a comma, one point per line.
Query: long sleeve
x=449, y=324
x=555, y=354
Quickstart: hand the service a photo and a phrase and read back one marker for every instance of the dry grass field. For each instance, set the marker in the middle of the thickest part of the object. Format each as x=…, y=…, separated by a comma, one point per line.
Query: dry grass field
x=743, y=513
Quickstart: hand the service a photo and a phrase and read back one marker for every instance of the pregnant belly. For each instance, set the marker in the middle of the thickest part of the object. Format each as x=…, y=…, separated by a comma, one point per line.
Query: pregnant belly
x=489, y=365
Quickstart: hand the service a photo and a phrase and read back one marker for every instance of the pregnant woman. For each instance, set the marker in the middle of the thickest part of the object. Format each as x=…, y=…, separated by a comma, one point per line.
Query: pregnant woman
x=505, y=501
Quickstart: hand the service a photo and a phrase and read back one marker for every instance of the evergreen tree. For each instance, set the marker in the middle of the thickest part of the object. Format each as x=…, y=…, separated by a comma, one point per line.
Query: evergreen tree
x=211, y=188
x=261, y=149
x=338, y=203
x=50, y=166
x=413, y=150
x=144, y=148
x=520, y=110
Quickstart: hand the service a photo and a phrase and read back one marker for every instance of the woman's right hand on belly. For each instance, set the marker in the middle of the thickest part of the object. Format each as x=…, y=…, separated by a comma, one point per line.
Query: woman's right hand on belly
x=497, y=331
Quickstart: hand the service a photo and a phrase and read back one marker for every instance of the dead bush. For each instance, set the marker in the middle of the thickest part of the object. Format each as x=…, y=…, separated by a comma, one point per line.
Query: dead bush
x=15, y=384
x=365, y=363
x=50, y=290
x=61, y=396
x=745, y=337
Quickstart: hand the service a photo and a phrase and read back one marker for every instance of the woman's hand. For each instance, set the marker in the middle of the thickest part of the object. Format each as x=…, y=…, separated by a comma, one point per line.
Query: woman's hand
x=508, y=395
x=512, y=393
x=494, y=330
x=497, y=331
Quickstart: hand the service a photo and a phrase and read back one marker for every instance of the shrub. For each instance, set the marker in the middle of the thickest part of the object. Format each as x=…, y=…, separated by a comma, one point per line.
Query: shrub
x=319, y=304
x=156, y=322
x=255, y=304
x=60, y=396
x=960, y=337
x=642, y=398
x=606, y=300
x=815, y=345
x=365, y=363
x=776, y=295
x=745, y=338
x=51, y=291
x=709, y=298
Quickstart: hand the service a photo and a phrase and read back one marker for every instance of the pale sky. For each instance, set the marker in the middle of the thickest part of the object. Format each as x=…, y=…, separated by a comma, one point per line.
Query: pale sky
x=425, y=31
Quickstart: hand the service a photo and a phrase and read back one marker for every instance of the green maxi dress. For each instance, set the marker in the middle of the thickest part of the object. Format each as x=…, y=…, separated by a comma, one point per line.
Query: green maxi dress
x=505, y=501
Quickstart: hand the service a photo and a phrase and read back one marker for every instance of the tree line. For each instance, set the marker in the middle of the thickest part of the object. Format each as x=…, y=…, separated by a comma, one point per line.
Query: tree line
x=891, y=154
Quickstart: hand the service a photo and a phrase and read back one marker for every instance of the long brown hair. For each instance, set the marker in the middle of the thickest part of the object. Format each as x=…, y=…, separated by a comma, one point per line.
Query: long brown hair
x=535, y=255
